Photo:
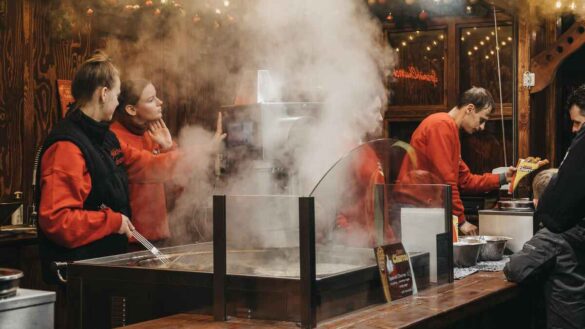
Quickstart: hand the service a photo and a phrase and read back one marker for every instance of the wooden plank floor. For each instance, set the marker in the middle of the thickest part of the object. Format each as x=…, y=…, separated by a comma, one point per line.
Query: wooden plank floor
x=433, y=308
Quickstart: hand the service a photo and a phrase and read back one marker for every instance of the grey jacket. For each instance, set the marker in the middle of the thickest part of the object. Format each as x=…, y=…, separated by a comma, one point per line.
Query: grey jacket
x=558, y=262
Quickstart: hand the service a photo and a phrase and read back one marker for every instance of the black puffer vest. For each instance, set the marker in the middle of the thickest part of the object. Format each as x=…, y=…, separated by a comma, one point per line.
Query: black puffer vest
x=109, y=187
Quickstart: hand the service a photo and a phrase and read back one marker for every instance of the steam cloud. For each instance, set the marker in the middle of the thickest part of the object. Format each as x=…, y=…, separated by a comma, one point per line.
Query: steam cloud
x=332, y=51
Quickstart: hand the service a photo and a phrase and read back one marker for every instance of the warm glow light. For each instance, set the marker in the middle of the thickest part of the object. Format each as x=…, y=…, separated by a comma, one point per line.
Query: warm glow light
x=558, y=5
x=217, y=11
x=492, y=52
x=573, y=6
x=487, y=38
x=493, y=33
x=435, y=43
x=417, y=32
x=462, y=38
x=481, y=43
x=226, y=3
x=468, y=33
x=503, y=43
x=475, y=48
x=428, y=48
x=163, y=1
x=469, y=53
x=441, y=37
x=404, y=43
x=410, y=37
x=487, y=56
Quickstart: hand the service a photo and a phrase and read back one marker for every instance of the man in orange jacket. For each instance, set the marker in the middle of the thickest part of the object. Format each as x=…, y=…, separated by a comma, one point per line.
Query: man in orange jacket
x=437, y=138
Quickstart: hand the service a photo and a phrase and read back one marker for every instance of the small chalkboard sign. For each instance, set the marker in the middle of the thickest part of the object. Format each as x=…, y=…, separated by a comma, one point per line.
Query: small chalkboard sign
x=395, y=271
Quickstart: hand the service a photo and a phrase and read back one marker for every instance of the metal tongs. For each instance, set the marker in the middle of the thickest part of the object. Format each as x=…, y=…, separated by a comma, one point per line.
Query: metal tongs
x=153, y=250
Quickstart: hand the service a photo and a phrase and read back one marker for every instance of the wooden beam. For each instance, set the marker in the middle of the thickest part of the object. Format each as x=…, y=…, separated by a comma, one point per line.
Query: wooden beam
x=545, y=64
x=550, y=35
x=523, y=111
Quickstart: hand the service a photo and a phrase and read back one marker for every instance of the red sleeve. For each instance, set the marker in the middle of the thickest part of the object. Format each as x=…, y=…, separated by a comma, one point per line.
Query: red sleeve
x=65, y=184
x=469, y=182
x=145, y=167
x=442, y=146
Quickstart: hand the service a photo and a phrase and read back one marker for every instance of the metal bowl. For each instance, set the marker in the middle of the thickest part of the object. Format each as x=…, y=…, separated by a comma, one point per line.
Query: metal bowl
x=466, y=252
x=516, y=205
x=494, y=247
x=9, y=280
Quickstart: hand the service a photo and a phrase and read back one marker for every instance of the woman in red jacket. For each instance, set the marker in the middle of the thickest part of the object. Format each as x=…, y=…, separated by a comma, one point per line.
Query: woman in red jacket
x=138, y=114
x=84, y=211
x=138, y=123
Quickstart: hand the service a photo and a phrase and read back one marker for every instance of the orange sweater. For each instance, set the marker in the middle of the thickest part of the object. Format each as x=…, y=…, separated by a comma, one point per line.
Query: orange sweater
x=147, y=198
x=66, y=183
x=437, y=140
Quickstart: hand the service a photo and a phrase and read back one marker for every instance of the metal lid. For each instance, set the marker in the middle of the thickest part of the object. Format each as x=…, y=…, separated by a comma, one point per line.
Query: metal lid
x=7, y=274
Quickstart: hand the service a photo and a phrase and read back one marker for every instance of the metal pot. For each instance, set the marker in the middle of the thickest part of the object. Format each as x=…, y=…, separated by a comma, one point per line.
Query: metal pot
x=516, y=205
x=466, y=251
x=9, y=280
x=494, y=247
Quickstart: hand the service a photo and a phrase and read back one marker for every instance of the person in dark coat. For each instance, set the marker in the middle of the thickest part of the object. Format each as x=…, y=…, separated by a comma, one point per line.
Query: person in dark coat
x=562, y=204
x=557, y=262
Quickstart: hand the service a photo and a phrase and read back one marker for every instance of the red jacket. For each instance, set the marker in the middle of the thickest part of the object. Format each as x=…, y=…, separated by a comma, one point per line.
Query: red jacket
x=437, y=140
x=65, y=184
x=356, y=217
x=147, y=198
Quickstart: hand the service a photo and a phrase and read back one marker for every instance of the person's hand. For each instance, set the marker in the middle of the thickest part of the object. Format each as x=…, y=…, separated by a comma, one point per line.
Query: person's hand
x=126, y=227
x=160, y=134
x=510, y=173
x=219, y=135
x=468, y=229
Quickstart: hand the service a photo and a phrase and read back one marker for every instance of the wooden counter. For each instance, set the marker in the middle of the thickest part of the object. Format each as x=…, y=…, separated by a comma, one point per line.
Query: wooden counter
x=482, y=300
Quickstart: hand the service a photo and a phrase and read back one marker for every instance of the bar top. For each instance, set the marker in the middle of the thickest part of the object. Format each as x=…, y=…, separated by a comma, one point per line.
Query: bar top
x=480, y=290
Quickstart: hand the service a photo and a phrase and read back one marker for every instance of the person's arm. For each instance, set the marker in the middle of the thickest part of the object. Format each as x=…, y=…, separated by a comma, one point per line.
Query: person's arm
x=561, y=205
x=535, y=260
x=65, y=184
x=471, y=183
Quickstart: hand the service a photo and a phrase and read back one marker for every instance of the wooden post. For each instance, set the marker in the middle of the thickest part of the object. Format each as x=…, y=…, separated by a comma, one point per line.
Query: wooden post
x=523, y=110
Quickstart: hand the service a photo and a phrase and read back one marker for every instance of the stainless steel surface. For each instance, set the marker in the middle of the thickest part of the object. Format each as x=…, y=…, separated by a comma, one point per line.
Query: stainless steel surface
x=150, y=247
x=516, y=205
x=494, y=247
x=31, y=309
x=273, y=262
x=9, y=280
x=518, y=225
x=466, y=252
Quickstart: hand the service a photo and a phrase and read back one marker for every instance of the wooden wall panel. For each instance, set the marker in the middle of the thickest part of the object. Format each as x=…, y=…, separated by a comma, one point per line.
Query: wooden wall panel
x=11, y=96
x=31, y=64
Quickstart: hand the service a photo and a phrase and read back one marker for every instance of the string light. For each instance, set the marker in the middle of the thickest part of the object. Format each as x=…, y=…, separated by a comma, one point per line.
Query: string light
x=558, y=5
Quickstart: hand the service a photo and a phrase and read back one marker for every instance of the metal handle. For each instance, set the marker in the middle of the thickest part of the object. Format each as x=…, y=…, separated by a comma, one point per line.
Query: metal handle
x=58, y=267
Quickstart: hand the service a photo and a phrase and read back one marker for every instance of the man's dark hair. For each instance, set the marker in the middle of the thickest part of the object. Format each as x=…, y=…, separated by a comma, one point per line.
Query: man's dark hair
x=577, y=98
x=479, y=97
